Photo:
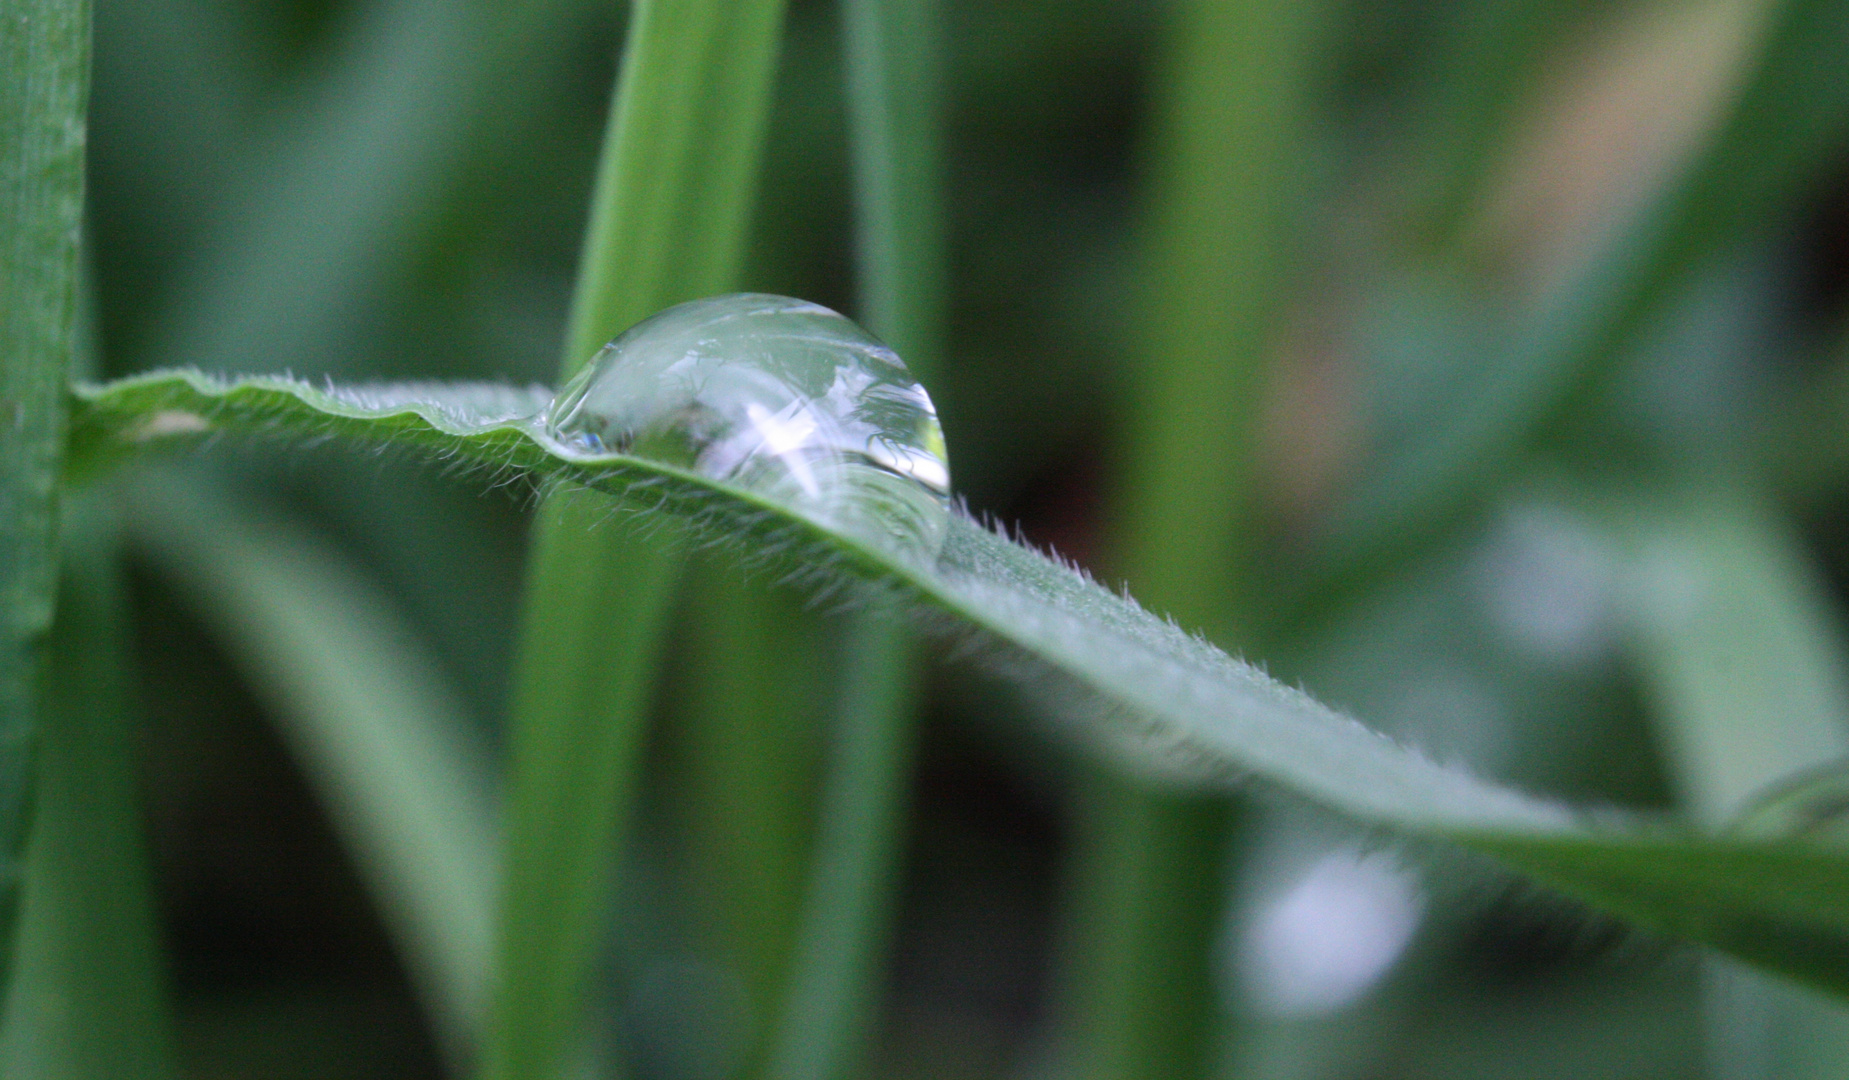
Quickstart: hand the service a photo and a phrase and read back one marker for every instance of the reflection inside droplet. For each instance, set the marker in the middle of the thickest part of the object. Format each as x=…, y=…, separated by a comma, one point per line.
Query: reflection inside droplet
x=780, y=397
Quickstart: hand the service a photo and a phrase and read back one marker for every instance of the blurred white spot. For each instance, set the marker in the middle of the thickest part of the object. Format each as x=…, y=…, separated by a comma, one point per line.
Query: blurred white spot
x=1548, y=579
x=1324, y=940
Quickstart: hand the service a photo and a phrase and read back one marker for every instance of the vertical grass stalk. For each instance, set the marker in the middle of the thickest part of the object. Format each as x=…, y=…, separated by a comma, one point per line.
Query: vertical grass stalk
x=1229, y=126
x=87, y=998
x=44, y=88
x=670, y=206
x=893, y=101
x=1742, y=660
x=377, y=728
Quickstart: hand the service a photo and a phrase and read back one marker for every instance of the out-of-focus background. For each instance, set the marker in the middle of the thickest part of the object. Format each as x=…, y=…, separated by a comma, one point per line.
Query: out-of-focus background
x=395, y=189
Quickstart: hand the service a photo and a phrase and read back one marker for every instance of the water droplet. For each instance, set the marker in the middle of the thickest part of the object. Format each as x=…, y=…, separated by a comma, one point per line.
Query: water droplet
x=779, y=397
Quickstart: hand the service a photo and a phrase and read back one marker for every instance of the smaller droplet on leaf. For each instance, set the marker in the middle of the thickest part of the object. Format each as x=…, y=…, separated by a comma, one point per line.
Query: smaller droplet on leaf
x=779, y=397
x=1812, y=806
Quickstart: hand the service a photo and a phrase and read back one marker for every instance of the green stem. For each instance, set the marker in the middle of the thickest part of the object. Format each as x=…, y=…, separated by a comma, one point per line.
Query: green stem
x=847, y=916
x=893, y=88
x=1148, y=865
x=893, y=71
x=44, y=88
x=1148, y=889
x=668, y=219
x=87, y=999
x=743, y=783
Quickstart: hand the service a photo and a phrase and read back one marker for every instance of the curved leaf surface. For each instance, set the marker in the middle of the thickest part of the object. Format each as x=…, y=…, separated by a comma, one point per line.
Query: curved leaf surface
x=1162, y=698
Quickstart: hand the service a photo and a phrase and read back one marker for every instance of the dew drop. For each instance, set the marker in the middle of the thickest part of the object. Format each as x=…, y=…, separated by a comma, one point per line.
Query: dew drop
x=779, y=397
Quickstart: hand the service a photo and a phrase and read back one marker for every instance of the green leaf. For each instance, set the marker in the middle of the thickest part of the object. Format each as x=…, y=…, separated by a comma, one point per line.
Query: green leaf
x=1047, y=610
x=1167, y=701
x=1741, y=658
x=44, y=84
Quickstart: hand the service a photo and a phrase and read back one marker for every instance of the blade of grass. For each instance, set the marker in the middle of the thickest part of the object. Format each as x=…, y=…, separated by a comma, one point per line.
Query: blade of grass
x=1787, y=125
x=894, y=77
x=1148, y=885
x=1492, y=53
x=1166, y=701
x=893, y=87
x=44, y=83
x=377, y=728
x=834, y=987
x=598, y=592
x=1147, y=877
x=748, y=738
x=1741, y=655
x=1743, y=661
x=668, y=219
x=346, y=184
x=87, y=999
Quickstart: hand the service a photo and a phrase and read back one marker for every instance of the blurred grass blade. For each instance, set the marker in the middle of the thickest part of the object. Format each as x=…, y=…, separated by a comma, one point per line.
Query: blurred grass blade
x=668, y=219
x=377, y=729
x=44, y=83
x=745, y=739
x=1148, y=887
x=894, y=81
x=598, y=593
x=1742, y=659
x=348, y=183
x=1166, y=701
x=87, y=999
x=1240, y=73
x=1742, y=656
x=825, y=1022
x=1787, y=125
x=1493, y=52
x=675, y=185
x=1147, y=881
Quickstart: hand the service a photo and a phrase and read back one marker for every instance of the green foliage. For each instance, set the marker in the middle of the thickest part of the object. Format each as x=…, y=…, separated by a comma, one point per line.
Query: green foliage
x=86, y=997
x=1511, y=466
x=1158, y=699
x=668, y=219
x=44, y=84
